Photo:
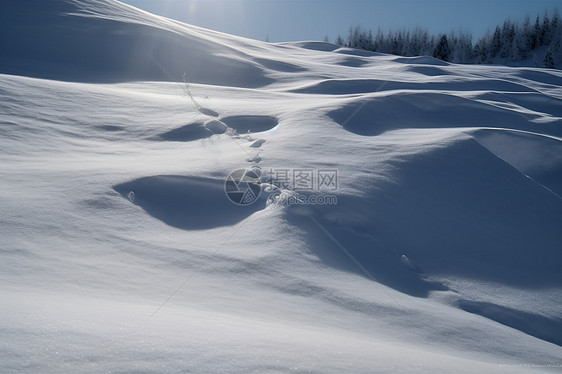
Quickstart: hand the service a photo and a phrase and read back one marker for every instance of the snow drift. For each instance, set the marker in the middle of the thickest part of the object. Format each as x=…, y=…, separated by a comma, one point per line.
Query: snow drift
x=106, y=41
x=121, y=251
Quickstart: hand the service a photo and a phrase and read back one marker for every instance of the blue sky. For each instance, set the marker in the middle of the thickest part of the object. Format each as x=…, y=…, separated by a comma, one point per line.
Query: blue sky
x=290, y=20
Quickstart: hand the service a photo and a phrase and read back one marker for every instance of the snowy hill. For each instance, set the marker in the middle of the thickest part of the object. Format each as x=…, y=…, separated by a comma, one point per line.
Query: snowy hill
x=437, y=247
x=106, y=41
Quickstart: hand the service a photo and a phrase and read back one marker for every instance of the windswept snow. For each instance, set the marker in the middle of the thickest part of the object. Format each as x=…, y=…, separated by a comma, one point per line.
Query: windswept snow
x=121, y=251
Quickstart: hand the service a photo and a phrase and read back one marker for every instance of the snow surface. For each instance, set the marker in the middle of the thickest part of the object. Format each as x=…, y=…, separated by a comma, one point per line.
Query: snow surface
x=121, y=252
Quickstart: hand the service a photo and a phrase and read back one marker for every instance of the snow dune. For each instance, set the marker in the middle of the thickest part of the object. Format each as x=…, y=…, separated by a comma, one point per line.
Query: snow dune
x=104, y=41
x=121, y=251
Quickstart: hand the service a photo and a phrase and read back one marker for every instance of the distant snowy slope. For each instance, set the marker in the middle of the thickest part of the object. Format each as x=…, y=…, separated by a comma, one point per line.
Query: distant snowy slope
x=106, y=41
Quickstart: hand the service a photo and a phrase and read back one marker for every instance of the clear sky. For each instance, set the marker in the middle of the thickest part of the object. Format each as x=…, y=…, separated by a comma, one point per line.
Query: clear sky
x=290, y=20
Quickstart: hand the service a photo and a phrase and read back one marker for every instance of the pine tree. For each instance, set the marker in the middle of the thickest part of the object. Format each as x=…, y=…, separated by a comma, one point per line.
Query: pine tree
x=399, y=46
x=555, y=25
x=556, y=49
x=442, y=50
x=406, y=44
x=357, y=37
x=465, y=49
x=394, y=46
x=508, y=33
x=549, y=60
x=379, y=41
x=496, y=42
x=339, y=40
x=482, y=49
x=511, y=41
x=537, y=32
x=545, y=30
x=515, y=52
x=478, y=53
x=527, y=42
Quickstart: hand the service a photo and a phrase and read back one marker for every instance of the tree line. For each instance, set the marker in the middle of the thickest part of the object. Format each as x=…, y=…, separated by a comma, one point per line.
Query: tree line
x=537, y=42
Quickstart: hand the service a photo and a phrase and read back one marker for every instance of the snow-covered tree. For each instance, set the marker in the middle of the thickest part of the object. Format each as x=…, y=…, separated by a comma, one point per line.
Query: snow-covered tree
x=537, y=32
x=496, y=42
x=555, y=25
x=526, y=40
x=509, y=42
x=507, y=36
x=339, y=40
x=549, y=59
x=481, y=52
x=545, y=30
x=442, y=50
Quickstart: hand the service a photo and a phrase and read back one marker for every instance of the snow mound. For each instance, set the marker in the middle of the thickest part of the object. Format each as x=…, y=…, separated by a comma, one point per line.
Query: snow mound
x=383, y=112
x=314, y=45
x=549, y=329
x=422, y=60
x=106, y=41
x=358, y=86
x=538, y=156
